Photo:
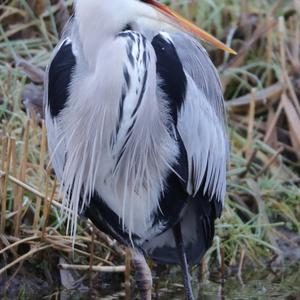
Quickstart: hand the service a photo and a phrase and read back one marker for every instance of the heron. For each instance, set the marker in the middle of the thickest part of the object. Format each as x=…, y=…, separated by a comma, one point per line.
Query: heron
x=136, y=129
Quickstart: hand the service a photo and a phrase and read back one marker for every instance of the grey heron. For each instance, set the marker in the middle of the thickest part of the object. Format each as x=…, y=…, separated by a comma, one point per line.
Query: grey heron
x=136, y=129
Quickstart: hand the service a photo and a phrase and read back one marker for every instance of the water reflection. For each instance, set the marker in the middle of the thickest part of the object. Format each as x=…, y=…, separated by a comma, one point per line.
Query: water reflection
x=257, y=284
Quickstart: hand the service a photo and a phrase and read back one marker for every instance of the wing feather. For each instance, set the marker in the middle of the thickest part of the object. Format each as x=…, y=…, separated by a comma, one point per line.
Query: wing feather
x=201, y=120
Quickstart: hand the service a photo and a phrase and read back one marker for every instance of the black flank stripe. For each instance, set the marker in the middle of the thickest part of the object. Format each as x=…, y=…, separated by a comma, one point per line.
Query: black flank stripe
x=128, y=135
x=121, y=109
x=145, y=58
x=129, y=131
x=122, y=151
x=129, y=52
x=119, y=158
x=132, y=36
x=144, y=43
x=127, y=77
x=60, y=73
x=122, y=34
x=127, y=34
x=139, y=48
x=141, y=94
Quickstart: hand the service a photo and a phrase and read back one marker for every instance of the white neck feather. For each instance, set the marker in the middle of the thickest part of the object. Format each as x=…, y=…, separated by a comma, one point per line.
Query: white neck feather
x=99, y=21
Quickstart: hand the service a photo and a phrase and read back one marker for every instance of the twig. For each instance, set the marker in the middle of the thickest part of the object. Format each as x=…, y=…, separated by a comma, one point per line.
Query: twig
x=102, y=269
x=128, y=267
x=19, y=242
x=111, y=243
x=241, y=263
x=251, y=121
x=223, y=263
x=22, y=176
x=6, y=155
x=47, y=205
x=5, y=242
x=69, y=248
x=274, y=122
x=23, y=257
x=14, y=174
x=269, y=52
x=92, y=254
x=249, y=163
x=43, y=149
x=269, y=163
x=281, y=33
x=272, y=92
x=30, y=189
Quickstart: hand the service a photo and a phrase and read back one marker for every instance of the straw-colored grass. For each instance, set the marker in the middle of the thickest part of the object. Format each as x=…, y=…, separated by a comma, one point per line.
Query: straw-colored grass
x=261, y=86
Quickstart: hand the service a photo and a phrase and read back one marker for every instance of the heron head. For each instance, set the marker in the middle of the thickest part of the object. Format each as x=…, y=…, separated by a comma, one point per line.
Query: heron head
x=111, y=16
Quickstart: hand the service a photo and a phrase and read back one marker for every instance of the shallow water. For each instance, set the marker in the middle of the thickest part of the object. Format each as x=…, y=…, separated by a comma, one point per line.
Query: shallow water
x=254, y=284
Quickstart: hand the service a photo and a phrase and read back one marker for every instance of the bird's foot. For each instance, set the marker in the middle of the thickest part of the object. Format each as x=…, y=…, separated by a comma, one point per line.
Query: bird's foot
x=143, y=276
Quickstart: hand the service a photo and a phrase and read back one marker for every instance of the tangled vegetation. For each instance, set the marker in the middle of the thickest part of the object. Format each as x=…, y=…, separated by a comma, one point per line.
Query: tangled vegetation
x=260, y=226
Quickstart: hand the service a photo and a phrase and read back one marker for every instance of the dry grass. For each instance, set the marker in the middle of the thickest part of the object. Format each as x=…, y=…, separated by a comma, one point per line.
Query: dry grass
x=261, y=84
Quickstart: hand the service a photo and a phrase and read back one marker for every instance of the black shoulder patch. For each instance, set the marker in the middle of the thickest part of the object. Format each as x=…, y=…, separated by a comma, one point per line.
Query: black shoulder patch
x=170, y=70
x=60, y=73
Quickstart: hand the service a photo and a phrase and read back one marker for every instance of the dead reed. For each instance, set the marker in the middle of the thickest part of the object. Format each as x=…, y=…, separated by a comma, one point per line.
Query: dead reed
x=29, y=198
x=262, y=88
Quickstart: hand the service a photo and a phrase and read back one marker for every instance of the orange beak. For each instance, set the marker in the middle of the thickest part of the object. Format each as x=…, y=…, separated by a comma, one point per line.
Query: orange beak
x=189, y=26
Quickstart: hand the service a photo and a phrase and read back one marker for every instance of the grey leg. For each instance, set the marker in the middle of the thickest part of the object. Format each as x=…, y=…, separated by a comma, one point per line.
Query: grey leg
x=143, y=276
x=183, y=262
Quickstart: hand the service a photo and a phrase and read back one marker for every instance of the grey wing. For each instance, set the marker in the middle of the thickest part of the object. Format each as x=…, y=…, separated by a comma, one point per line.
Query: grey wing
x=202, y=120
x=199, y=66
